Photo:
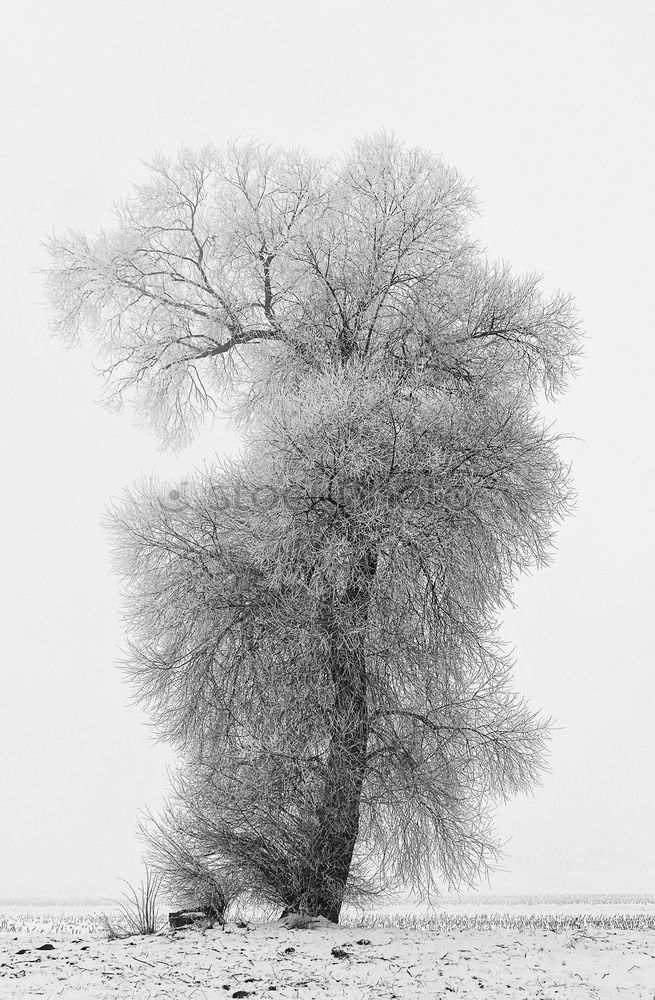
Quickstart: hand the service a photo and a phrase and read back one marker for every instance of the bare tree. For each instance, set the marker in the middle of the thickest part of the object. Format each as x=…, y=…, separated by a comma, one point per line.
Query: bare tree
x=329, y=603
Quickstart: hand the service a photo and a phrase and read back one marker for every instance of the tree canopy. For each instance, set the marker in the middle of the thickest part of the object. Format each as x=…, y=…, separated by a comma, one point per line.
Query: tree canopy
x=315, y=624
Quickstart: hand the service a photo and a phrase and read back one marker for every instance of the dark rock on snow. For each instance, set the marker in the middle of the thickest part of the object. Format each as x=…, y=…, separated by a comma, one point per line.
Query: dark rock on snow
x=339, y=953
x=190, y=917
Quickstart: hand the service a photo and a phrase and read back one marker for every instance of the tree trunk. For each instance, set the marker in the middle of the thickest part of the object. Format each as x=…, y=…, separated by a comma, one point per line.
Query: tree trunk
x=338, y=812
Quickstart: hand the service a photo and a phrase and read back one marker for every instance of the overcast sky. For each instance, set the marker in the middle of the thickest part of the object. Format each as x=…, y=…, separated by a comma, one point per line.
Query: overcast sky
x=548, y=108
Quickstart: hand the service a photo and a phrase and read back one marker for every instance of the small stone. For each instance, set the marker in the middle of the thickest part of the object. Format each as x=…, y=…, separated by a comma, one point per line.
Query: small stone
x=363, y=941
x=339, y=953
x=46, y=947
x=289, y=951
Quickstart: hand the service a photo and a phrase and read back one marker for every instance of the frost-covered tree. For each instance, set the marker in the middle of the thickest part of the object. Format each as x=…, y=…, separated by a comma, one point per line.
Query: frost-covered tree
x=314, y=625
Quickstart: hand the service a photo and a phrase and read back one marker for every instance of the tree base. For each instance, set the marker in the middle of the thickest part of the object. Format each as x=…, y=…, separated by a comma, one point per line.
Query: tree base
x=330, y=913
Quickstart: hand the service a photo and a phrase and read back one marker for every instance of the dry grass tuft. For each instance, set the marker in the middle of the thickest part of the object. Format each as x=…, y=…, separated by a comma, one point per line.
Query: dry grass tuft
x=138, y=914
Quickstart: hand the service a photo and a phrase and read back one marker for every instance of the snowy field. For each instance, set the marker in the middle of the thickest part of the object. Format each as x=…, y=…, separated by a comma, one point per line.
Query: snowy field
x=511, y=947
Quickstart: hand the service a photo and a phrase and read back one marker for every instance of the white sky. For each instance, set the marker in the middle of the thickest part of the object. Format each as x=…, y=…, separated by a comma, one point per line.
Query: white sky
x=548, y=107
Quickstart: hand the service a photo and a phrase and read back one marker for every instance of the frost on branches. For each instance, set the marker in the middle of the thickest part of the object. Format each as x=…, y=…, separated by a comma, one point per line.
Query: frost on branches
x=314, y=625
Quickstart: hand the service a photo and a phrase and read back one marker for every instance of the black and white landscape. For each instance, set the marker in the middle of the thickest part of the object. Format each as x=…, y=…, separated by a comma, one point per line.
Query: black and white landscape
x=328, y=516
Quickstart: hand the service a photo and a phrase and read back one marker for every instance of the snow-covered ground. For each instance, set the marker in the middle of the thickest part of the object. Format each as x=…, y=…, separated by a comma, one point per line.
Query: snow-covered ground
x=585, y=957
